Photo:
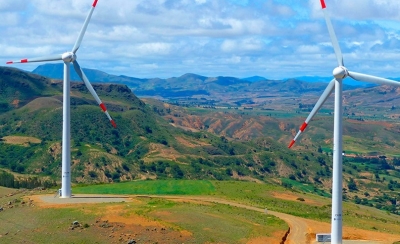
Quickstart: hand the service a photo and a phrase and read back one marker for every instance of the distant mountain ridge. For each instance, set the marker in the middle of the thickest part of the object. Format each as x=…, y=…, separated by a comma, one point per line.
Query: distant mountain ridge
x=349, y=82
x=55, y=71
x=194, y=85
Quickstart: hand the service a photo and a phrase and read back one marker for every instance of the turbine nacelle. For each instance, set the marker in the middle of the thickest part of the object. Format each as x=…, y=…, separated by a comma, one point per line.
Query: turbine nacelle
x=68, y=57
x=340, y=72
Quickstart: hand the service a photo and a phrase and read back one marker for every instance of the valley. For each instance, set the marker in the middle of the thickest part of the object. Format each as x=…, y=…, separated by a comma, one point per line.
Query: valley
x=234, y=130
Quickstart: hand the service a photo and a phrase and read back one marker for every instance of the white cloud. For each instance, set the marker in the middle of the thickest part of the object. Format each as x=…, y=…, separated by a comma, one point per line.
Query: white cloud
x=359, y=9
x=12, y=5
x=244, y=45
x=200, y=1
x=164, y=38
x=309, y=49
x=9, y=19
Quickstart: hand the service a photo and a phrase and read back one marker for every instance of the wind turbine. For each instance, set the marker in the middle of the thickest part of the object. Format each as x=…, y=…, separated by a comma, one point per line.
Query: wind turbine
x=67, y=58
x=339, y=73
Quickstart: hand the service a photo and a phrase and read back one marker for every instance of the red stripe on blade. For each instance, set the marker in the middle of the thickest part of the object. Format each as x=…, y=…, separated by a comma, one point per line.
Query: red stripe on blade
x=103, y=107
x=323, y=5
x=114, y=124
x=291, y=143
x=24, y=60
x=94, y=3
x=303, y=127
x=10, y=62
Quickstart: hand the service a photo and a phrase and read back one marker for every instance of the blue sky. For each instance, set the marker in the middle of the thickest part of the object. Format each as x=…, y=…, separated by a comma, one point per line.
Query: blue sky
x=165, y=38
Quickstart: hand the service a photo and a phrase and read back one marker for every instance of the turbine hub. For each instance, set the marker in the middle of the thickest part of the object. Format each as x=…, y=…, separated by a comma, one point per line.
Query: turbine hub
x=68, y=57
x=340, y=72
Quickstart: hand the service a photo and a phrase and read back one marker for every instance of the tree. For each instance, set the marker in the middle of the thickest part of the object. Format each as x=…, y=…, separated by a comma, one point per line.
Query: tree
x=92, y=174
x=177, y=171
x=125, y=167
x=352, y=185
x=357, y=200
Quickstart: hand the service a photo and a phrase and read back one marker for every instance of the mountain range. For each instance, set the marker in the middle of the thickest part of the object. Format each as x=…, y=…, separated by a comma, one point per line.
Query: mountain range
x=189, y=85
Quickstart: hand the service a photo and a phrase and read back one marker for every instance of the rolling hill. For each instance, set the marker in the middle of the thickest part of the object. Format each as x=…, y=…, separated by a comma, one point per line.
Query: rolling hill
x=189, y=85
x=160, y=140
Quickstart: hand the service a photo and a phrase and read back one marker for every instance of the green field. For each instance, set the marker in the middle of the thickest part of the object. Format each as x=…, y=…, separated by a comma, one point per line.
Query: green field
x=213, y=223
x=306, y=188
x=244, y=192
x=258, y=195
x=161, y=187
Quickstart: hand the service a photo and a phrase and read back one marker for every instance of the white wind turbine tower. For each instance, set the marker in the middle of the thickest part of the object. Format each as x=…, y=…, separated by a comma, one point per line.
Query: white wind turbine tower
x=70, y=57
x=339, y=73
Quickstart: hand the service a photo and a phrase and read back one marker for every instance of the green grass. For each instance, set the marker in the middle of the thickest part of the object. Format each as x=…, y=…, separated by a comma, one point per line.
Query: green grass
x=244, y=192
x=5, y=191
x=308, y=188
x=258, y=195
x=261, y=195
x=159, y=187
x=213, y=223
x=35, y=225
x=207, y=223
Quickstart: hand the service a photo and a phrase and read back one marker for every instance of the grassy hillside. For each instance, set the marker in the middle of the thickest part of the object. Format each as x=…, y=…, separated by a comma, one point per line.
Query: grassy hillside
x=272, y=197
x=17, y=88
x=163, y=141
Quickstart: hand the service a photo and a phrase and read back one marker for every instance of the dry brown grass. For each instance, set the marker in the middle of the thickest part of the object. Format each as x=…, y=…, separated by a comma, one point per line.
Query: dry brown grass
x=21, y=140
x=350, y=233
x=44, y=102
x=291, y=196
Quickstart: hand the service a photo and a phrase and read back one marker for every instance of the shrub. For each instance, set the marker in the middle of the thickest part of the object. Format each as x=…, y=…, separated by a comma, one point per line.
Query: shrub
x=92, y=174
x=125, y=167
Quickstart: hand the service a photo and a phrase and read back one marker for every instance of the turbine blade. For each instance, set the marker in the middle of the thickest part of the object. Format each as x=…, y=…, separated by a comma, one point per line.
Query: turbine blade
x=332, y=34
x=41, y=59
x=79, y=71
x=327, y=92
x=372, y=79
x=84, y=27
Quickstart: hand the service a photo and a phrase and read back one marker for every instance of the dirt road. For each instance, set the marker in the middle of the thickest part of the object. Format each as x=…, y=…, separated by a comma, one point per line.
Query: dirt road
x=298, y=227
x=301, y=230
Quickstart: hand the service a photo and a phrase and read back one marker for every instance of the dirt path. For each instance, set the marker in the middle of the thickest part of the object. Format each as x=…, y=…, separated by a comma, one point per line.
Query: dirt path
x=298, y=226
x=301, y=230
